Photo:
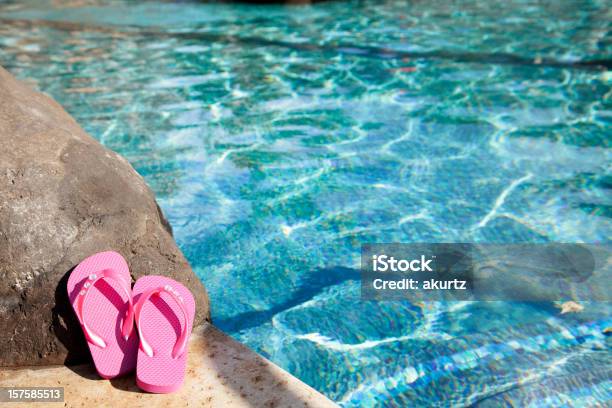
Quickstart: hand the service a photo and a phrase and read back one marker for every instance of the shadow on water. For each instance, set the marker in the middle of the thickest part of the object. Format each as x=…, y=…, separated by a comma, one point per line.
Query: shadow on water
x=311, y=285
x=336, y=49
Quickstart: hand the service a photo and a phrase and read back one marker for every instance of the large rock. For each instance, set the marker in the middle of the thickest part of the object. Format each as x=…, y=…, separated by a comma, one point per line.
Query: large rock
x=63, y=196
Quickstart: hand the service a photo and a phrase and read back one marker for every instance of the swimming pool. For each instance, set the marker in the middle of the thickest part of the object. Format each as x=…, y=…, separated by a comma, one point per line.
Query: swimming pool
x=278, y=139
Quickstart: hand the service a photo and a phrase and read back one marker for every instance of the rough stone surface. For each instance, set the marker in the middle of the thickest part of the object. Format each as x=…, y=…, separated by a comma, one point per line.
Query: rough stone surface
x=220, y=373
x=63, y=197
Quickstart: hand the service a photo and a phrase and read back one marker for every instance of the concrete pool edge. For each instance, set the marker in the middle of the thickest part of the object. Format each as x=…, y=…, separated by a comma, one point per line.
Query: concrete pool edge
x=220, y=372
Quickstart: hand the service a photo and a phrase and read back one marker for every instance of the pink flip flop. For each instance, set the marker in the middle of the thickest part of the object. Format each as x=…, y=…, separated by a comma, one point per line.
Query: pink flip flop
x=99, y=291
x=164, y=311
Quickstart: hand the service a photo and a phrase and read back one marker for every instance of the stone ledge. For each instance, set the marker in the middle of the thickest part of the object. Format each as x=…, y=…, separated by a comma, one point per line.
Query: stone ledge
x=220, y=373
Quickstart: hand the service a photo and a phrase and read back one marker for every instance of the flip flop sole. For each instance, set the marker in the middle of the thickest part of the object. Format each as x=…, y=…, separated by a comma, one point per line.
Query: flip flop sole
x=103, y=310
x=161, y=323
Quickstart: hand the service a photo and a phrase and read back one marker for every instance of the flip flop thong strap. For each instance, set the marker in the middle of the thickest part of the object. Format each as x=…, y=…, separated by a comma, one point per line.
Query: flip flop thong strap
x=181, y=342
x=128, y=320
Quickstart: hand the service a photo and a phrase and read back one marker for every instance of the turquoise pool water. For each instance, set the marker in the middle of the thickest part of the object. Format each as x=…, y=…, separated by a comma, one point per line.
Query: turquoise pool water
x=278, y=139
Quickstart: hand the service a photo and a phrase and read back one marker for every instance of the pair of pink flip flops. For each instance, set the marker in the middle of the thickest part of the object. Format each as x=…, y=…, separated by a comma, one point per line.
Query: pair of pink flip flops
x=107, y=308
